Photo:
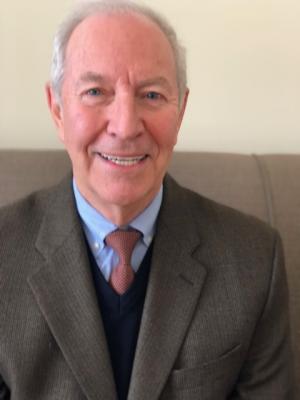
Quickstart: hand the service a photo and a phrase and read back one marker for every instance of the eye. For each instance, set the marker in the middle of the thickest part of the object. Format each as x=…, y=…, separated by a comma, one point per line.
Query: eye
x=153, y=96
x=94, y=92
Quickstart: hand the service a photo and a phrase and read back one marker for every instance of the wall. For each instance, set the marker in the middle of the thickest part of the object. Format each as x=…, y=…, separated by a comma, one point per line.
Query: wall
x=244, y=73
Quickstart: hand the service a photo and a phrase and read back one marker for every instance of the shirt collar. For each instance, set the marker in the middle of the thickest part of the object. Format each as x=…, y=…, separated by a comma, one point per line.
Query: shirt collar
x=97, y=227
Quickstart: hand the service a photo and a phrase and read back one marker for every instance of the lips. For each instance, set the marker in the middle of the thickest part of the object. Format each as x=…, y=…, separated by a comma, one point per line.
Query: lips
x=123, y=161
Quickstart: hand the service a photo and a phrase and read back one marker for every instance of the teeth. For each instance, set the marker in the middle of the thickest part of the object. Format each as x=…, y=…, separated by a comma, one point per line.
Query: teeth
x=126, y=161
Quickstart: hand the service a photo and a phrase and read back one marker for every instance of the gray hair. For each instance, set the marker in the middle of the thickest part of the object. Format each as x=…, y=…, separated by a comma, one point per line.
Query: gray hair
x=88, y=8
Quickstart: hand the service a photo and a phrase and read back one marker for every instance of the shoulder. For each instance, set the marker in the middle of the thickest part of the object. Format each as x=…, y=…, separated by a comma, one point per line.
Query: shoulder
x=202, y=207
x=19, y=227
x=20, y=221
x=23, y=213
x=227, y=228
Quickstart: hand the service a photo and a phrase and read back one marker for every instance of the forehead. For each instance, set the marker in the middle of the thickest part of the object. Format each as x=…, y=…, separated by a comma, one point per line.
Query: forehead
x=118, y=42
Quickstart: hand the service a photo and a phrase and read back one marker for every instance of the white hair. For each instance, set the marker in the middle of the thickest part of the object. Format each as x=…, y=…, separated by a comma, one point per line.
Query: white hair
x=88, y=8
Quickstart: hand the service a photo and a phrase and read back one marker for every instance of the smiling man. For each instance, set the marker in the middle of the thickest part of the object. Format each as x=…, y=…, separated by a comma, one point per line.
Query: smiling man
x=118, y=283
x=120, y=111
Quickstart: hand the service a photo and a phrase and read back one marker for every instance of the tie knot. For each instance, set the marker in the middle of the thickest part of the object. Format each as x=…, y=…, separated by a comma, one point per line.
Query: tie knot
x=123, y=243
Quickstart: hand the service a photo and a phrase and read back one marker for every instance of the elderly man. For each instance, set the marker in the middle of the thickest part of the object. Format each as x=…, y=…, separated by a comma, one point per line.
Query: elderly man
x=118, y=283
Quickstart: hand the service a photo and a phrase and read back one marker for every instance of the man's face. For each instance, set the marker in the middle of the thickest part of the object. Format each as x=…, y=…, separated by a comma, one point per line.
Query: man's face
x=120, y=113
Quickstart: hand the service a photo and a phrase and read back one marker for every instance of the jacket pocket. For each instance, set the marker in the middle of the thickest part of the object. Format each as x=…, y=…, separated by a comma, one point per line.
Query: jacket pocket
x=221, y=372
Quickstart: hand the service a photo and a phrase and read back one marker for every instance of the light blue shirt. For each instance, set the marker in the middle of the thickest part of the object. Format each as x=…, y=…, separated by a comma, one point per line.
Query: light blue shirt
x=96, y=227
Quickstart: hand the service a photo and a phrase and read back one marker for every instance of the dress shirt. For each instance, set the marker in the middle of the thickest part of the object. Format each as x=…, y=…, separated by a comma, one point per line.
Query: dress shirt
x=96, y=227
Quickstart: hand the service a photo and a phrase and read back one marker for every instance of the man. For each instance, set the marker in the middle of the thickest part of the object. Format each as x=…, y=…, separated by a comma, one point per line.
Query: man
x=203, y=314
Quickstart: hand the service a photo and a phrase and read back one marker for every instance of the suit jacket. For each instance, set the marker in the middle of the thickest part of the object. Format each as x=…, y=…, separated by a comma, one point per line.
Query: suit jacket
x=215, y=322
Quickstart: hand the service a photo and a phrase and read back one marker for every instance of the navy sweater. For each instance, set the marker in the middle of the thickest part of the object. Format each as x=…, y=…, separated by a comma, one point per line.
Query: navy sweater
x=121, y=317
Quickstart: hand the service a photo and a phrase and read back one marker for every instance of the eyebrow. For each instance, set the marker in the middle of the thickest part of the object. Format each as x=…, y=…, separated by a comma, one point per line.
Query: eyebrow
x=160, y=80
x=91, y=76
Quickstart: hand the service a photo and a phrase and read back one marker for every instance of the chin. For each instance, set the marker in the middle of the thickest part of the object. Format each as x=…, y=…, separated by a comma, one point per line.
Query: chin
x=123, y=193
x=124, y=198
x=130, y=196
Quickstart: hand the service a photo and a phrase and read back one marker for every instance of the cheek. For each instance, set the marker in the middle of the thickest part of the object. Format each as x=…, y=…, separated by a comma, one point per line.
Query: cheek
x=80, y=129
x=164, y=131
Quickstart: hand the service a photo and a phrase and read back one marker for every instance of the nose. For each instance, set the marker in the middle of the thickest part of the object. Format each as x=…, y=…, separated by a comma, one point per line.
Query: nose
x=124, y=121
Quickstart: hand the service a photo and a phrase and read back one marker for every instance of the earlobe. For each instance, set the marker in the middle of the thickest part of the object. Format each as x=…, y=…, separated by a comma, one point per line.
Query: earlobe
x=55, y=109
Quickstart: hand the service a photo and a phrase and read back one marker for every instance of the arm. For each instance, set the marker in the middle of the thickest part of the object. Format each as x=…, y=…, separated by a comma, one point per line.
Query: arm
x=268, y=373
x=4, y=391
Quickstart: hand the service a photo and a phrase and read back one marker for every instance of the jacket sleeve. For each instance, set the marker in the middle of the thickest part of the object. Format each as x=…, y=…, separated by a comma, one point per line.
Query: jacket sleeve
x=4, y=391
x=268, y=372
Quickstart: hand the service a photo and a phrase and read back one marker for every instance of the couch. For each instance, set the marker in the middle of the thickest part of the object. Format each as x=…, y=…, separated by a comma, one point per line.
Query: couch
x=267, y=186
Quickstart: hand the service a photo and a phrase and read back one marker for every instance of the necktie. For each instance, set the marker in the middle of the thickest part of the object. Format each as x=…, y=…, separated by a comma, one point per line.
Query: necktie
x=123, y=243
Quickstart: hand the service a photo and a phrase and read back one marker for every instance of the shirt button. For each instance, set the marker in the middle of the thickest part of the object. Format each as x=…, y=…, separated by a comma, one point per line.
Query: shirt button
x=96, y=245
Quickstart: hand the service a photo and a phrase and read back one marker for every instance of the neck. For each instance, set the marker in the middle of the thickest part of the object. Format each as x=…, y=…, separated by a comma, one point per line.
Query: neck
x=119, y=213
x=122, y=216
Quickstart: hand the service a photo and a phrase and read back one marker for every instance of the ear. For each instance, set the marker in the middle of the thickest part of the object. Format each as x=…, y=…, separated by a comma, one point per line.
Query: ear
x=55, y=110
x=183, y=107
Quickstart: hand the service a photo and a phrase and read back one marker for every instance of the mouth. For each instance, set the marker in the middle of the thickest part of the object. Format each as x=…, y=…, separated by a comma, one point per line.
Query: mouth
x=123, y=161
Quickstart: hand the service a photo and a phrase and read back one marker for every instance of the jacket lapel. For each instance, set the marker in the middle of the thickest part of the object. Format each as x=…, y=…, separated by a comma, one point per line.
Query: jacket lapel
x=64, y=290
x=174, y=288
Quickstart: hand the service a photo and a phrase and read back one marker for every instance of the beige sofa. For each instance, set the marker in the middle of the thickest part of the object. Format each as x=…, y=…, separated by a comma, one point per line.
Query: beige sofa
x=266, y=186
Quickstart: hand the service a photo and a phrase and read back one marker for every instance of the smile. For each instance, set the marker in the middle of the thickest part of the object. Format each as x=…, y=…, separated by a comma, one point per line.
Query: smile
x=123, y=161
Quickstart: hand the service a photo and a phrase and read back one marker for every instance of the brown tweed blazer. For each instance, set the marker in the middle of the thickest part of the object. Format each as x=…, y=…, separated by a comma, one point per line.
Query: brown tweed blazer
x=215, y=322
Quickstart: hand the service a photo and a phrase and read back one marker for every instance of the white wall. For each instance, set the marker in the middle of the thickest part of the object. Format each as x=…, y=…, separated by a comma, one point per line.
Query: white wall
x=244, y=73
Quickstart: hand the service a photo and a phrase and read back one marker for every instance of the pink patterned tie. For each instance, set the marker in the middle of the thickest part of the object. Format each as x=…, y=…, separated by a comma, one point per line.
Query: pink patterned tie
x=123, y=243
